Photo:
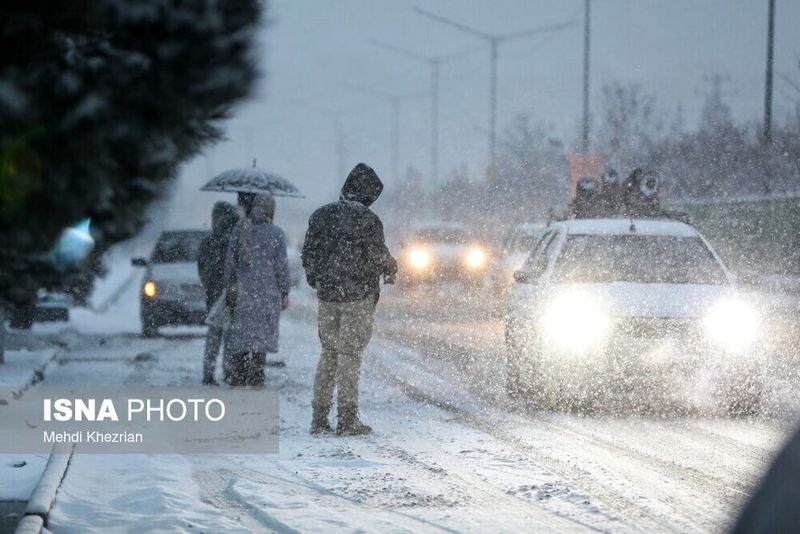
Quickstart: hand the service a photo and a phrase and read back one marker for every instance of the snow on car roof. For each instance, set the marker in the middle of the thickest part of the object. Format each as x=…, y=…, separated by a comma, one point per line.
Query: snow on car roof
x=530, y=228
x=623, y=226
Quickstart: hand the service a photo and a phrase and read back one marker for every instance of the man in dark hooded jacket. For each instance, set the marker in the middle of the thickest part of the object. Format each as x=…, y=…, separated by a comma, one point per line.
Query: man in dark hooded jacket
x=344, y=256
x=211, y=268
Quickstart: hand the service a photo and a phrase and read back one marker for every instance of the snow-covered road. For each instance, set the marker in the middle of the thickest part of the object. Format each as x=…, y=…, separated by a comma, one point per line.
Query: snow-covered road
x=448, y=453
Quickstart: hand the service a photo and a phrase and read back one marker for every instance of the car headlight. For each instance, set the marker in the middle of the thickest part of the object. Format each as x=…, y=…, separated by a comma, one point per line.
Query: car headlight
x=475, y=258
x=733, y=325
x=575, y=322
x=149, y=289
x=419, y=258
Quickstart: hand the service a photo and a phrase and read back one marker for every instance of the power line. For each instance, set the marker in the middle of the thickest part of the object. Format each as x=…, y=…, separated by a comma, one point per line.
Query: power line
x=435, y=62
x=768, y=84
x=394, y=100
x=586, y=42
x=494, y=40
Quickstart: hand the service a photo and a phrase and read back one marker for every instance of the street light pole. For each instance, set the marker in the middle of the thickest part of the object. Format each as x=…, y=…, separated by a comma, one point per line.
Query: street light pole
x=338, y=130
x=394, y=102
x=494, y=41
x=435, y=63
x=493, y=108
x=768, y=88
x=586, y=49
x=435, y=121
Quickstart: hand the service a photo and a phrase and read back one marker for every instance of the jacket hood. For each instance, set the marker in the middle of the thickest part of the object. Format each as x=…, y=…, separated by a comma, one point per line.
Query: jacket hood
x=223, y=217
x=362, y=185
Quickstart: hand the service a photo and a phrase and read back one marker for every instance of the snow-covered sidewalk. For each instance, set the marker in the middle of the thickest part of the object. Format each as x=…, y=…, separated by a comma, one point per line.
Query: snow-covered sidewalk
x=27, y=357
x=444, y=456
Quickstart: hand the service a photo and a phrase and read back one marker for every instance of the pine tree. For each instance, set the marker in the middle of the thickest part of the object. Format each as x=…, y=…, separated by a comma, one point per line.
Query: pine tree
x=100, y=101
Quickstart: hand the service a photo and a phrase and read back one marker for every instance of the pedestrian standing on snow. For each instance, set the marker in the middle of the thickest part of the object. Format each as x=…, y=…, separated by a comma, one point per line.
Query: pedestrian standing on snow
x=257, y=289
x=344, y=256
x=211, y=268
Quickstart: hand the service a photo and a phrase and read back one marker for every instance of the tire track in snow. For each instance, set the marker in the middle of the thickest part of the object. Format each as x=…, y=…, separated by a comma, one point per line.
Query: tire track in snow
x=492, y=496
x=620, y=463
x=625, y=508
x=216, y=489
x=729, y=489
x=669, y=467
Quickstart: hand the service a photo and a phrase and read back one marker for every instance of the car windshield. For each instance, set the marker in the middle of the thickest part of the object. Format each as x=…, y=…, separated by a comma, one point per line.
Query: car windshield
x=177, y=247
x=524, y=243
x=642, y=259
x=441, y=235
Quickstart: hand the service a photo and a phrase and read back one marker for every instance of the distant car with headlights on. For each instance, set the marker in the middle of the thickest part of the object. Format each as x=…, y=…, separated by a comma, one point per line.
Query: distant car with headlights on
x=443, y=252
x=517, y=245
x=603, y=304
x=171, y=292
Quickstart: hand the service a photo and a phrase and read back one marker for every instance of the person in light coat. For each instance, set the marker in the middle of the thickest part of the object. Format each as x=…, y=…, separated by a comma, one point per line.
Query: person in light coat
x=257, y=289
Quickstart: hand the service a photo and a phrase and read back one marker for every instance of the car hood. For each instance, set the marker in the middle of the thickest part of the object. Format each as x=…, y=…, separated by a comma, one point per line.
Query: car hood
x=178, y=272
x=654, y=300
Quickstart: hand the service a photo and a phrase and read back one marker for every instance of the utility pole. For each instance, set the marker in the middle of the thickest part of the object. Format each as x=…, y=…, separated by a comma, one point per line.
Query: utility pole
x=394, y=101
x=768, y=89
x=494, y=40
x=435, y=122
x=338, y=131
x=435, y=62
x=586, y=50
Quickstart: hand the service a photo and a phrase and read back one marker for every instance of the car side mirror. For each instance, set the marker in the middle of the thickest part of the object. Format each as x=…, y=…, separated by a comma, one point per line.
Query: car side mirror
x=139, y=262
x=524, y=277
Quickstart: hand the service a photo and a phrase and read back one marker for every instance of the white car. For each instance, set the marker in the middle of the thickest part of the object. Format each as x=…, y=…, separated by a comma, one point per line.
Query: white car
x=601, y=302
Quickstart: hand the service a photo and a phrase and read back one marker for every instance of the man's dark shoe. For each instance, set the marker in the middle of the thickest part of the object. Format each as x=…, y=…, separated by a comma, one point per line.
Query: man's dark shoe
x=352, y=427
x=321, y=427
x=319, y=419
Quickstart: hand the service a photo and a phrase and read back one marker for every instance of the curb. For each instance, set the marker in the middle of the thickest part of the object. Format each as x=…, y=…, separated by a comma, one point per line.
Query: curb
x=44, y=494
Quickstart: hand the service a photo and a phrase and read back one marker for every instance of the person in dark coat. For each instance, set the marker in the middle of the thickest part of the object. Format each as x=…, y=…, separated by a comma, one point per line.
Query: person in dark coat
x=211, y=268
x=344, y=256
x=257, y=289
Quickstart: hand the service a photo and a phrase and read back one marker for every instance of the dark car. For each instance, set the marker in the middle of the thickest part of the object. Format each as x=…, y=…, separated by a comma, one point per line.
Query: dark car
x=443, y=252
x=171, y=292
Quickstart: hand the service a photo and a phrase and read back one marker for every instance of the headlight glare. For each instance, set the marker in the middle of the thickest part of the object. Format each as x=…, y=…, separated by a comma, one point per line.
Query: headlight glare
x=475, y=258
x=733, y=325
x=149, y=289
x=419, y=258
x=575, y=322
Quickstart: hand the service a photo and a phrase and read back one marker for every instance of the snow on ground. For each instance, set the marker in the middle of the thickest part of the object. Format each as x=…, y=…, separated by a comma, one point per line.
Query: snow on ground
x=448, y=453
x=408, y=476
x=22, y=366
x=441, y=457
x=19, y=473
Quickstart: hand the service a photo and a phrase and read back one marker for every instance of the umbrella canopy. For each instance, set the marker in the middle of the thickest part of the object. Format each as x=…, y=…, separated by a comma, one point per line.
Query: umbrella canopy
x=252, y=180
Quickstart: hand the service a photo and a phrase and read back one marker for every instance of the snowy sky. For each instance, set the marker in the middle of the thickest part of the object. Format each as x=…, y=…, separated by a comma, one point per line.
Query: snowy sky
x=311, y=48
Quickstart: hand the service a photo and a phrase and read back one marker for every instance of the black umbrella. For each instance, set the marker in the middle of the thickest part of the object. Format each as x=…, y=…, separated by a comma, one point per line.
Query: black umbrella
x=252, y=180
